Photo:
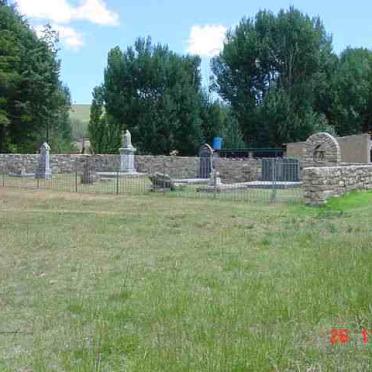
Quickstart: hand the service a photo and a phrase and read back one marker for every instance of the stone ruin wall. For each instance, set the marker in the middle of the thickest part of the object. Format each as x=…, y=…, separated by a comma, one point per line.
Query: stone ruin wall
x=321, y=183
x=231, y=170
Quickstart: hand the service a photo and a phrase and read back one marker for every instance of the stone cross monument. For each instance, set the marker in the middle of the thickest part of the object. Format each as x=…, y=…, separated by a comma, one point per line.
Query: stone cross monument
x=43, y=170
x=127, y=154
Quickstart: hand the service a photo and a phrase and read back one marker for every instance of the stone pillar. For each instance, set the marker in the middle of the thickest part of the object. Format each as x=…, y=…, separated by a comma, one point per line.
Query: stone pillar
x=127, y=154
x=43, y=170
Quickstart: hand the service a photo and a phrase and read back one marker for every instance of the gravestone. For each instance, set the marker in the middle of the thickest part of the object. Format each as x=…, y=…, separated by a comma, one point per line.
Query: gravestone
x=89, y=175
x=206, y=161
x=43, y=170
x=162, y=182
x=127, y=154
x=322, y=150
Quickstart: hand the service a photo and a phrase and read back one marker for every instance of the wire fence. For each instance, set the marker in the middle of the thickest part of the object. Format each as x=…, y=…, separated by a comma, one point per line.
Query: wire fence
x=277, y=180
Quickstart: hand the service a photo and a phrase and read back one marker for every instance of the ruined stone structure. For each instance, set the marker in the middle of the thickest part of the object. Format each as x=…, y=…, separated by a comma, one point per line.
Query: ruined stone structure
x=354, y=149
x=321, y=150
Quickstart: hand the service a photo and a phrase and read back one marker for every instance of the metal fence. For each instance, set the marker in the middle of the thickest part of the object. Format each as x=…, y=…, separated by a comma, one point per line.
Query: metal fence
x=279, y=180
x=252, y=152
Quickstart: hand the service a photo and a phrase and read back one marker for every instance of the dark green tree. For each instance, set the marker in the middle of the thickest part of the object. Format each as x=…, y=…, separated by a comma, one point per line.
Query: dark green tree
x=154, y=93
x=104, y=132
x=274, y=71
x=33, y=102
x=213, y=117
x=352, y=86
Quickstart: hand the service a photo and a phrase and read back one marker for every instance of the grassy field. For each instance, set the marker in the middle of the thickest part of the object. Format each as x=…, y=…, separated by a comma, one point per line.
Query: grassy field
x=152, y=283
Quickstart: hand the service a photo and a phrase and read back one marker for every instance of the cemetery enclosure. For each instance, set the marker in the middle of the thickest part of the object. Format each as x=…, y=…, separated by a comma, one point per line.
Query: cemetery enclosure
x=321, y=174
x=199, y=283
x=235, y=170
x=241, y=179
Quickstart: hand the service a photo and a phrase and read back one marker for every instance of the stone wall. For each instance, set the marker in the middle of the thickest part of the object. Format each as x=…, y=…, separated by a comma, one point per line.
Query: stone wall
x=319, y=184
x=295, y=150
x=238, y=170
x=231, y=170
x=356, y=148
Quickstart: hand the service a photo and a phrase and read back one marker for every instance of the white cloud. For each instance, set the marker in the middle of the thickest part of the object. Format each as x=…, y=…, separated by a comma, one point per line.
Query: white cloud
x=96, y=11
x=206, y=41
x=68, y=36
x=61, y=11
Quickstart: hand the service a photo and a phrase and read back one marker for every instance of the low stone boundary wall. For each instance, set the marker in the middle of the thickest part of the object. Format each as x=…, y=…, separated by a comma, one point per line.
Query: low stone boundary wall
x=319, y=184
x=238, y=170
x=231, y=170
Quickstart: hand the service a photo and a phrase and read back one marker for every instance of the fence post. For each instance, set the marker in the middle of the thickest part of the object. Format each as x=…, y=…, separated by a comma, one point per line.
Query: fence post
x=273, y=176
x=3, y=176
x=76, y=177
x=163, y=189
x=117, y=182
x=214, y=175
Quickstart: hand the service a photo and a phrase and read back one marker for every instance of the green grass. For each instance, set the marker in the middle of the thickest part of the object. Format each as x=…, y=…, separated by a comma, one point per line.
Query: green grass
x=152, y=283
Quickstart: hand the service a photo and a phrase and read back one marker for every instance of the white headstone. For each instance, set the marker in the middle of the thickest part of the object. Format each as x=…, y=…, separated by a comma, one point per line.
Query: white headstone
x=43, y=170
x=127, y=154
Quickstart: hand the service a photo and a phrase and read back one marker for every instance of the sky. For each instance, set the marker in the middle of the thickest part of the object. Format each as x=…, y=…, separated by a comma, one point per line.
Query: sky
x=88, y=29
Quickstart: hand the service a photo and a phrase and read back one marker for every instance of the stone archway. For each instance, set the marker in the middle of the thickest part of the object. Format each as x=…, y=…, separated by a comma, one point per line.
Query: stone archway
x=322, y=150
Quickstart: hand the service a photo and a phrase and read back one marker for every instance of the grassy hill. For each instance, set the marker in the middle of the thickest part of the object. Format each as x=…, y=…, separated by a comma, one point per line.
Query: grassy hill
x=80, y=112
x=80, y=119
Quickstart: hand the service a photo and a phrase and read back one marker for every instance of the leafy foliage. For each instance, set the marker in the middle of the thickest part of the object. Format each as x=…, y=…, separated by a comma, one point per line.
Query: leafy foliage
x=33, y=102
x=273, y=71
x=156, y=93
x=277, y=76
x=352, y=86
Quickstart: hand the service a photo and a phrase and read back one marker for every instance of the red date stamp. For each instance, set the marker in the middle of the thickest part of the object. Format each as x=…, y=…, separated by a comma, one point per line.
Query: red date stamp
x=343, y=336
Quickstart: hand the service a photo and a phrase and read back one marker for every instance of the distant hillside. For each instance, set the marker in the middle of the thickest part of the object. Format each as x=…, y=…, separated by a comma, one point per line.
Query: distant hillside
x=80, y=118
x=80, y=112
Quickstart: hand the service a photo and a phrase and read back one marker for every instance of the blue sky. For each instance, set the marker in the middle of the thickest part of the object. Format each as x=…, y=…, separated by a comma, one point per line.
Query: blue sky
x=90, y=28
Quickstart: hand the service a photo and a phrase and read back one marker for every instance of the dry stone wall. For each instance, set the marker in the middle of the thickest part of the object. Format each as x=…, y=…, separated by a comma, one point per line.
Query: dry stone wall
x=231, y=170
x=319, y=184
x=238, y=170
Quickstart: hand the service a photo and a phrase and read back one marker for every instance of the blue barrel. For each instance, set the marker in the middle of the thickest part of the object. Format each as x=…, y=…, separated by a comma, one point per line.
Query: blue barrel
x=217, y=143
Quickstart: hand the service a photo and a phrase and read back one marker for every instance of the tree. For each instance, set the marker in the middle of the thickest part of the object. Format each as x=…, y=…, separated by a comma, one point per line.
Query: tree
x=34, y=103
x=154, y=93
x=213, y=117
x=272, y=71
x=104, y=132
x=231, y=133
x=352, y=84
